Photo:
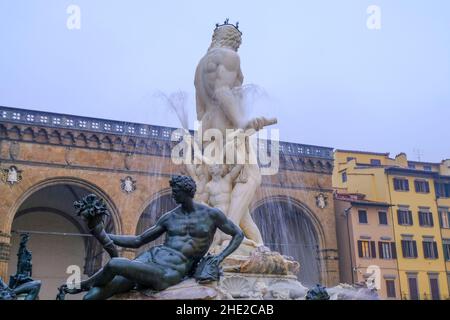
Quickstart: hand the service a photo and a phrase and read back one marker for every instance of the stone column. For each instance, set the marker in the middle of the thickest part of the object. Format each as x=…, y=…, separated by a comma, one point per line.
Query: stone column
x=330, y=263
x=5, y=249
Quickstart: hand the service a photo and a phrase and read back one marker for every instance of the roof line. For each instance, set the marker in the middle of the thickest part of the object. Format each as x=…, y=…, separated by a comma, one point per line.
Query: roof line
x=363, y=152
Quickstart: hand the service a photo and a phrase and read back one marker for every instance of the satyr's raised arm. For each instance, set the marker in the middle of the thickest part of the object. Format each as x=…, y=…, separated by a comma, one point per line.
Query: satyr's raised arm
x=228, y=227
x=147, y=236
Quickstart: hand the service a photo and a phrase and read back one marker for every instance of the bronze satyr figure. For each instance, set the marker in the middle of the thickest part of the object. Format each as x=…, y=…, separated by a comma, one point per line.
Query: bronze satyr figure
x=189, y=229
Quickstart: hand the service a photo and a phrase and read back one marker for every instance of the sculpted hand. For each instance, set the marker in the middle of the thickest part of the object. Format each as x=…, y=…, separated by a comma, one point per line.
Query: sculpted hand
x=259, y=123
x=92, y=210
x=218, y=259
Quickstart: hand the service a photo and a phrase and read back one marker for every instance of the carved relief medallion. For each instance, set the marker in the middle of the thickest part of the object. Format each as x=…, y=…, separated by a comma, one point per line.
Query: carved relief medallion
x=128, y=185
x=12, y=175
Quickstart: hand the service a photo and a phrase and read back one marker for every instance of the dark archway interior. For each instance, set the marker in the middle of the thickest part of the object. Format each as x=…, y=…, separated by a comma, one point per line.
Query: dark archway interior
x=151, y=214
x=286, y=228
x=47, y=211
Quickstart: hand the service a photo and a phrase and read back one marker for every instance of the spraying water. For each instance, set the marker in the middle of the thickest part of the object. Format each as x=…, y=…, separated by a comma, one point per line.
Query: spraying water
x=176, y=102
x=286, y=229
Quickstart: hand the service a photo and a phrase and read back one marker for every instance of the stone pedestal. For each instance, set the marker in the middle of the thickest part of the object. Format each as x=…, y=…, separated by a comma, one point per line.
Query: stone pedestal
x=232, y=286
x=186, y=290
x=262, y=286
x=262, y=274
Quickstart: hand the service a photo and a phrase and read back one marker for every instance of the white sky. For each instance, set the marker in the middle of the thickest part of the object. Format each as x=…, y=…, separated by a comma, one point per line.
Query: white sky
x=331, y=81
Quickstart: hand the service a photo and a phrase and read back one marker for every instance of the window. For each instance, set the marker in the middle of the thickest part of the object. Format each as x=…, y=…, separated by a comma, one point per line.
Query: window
x=382, y=218
x=413, y=288
x=411, y=166
x=430, y=249
x=344, y=176
x=426, y=219
x=366, y=249
x=444, y=218
x=446, y=245
x=387, y=250
x=442, y=190
x=404, y=217
x=362, y=216
x=390, y=288
x=427, y=168
x=434, y=287
x=375, y=162
x=422, y=186
x=401, y=184
x=409, y=249
x=350, y=159
x=448, y=281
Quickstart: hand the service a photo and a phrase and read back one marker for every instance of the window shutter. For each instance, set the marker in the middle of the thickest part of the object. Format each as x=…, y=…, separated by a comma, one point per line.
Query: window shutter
x=410, y=218
x=440, y=219
x=404, y=248
x=427, y=187
x=373, y=249
x=406, y=185
x=394, y=250
x=431, y=219
x=360, y=252
x=435, y=249
x=420, y=218
x=399, y=217
x=447, y=252
x=380, y=249
x=414, y=248
x=426, y=253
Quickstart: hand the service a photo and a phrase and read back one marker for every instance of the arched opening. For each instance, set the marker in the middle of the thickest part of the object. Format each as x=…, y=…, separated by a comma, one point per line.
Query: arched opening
x=58, y=237
x=151, y=214
x=286, y=227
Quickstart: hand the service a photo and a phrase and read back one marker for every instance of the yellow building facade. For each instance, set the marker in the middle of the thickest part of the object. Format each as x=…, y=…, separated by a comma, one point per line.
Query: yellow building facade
x=419, y=195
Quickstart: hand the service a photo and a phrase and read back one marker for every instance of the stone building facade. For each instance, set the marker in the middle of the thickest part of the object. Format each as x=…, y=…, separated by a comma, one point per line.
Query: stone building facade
x=48, y=160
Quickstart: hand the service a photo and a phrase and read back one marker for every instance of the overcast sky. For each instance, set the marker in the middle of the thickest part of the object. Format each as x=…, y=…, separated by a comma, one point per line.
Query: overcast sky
x=331, y=81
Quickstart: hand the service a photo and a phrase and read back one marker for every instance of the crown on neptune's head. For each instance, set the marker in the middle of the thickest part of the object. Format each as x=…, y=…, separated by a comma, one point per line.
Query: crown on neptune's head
x=226, y=23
